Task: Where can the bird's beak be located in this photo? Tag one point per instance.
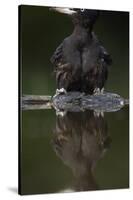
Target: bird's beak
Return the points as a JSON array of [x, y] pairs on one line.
[[67, 11]]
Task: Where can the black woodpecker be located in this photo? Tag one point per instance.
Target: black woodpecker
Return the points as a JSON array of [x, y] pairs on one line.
[[80, 61]]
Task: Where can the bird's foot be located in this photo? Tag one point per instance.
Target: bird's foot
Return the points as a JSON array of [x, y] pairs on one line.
[[98, 113], [96, 91], [61, 113], [60, 91], [102, 90]]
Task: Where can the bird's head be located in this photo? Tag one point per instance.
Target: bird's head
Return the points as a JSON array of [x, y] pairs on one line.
[[83, 17]]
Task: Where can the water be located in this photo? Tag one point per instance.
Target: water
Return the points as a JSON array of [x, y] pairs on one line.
[[78, 151]]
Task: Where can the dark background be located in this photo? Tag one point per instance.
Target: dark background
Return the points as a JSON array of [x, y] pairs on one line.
[[41, 31]]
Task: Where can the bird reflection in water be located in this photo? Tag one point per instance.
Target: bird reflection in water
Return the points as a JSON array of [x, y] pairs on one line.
[[80, 140]]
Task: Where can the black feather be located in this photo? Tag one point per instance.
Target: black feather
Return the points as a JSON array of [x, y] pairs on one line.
[[81, 62]]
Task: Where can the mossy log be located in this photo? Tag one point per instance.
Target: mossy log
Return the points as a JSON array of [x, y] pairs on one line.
[[75, 102]]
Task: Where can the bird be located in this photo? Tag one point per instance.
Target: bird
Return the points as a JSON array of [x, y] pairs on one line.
[[80, 140], [81, 62]]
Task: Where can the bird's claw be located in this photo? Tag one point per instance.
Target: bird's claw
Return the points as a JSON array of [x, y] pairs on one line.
[[61, 113], [60, 91], [102, 90], [98, 113], [97, 91]]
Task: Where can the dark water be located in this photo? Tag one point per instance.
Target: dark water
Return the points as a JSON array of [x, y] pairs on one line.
[[79, 151], [76, 152]]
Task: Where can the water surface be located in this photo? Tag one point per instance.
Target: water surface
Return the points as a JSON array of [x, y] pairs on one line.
[[76, 152]]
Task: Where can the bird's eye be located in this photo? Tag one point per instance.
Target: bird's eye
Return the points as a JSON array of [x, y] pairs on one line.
[[82, 10]]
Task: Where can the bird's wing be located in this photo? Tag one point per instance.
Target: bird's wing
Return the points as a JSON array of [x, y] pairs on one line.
[[67, 62], [57, 57], [105, 56], [60, 62], [104, 60], [67, 57]]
